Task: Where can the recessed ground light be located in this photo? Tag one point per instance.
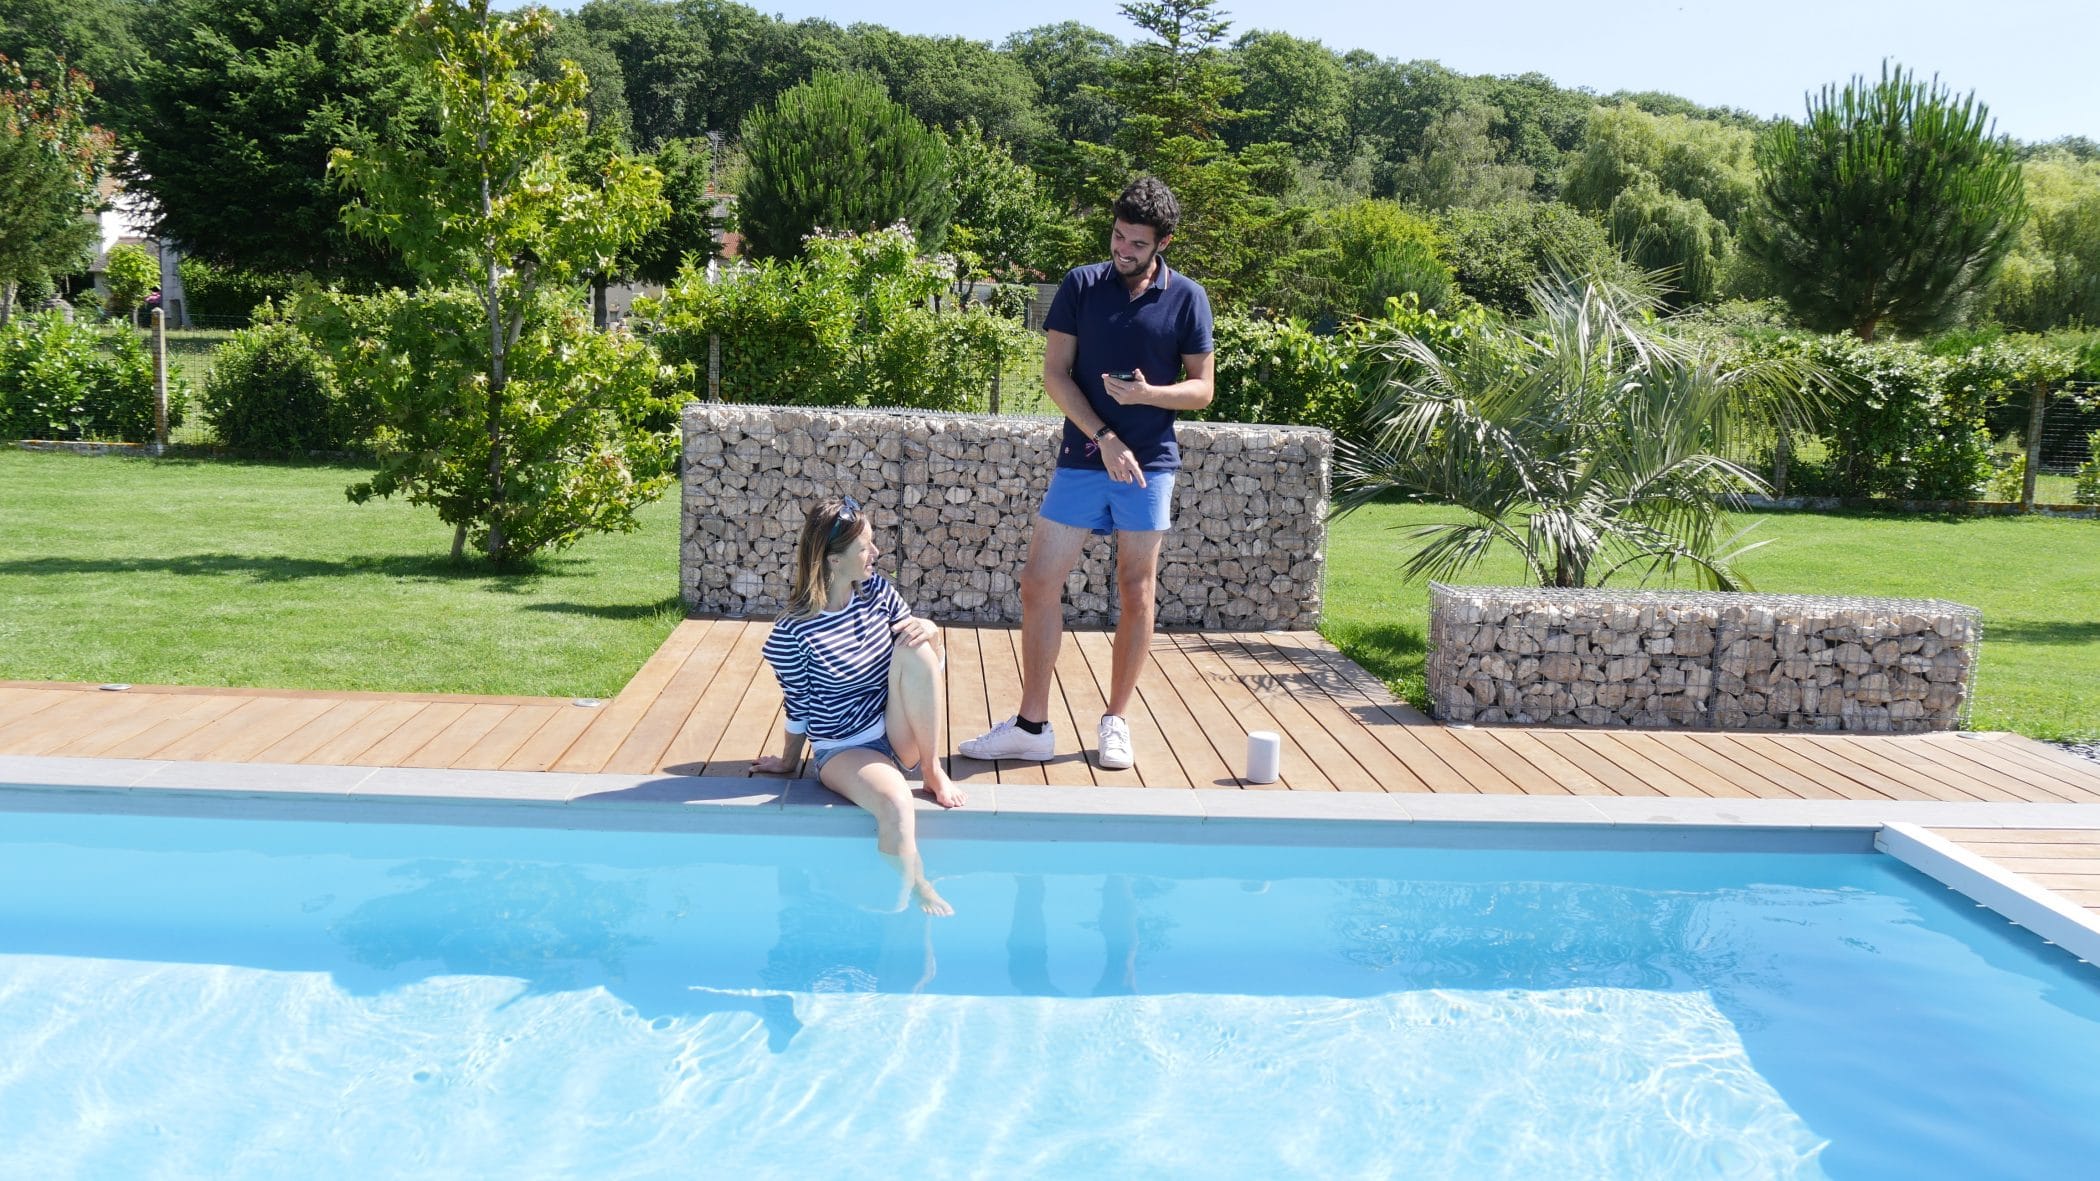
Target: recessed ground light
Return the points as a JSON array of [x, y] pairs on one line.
[[588, 702], [113, 688]]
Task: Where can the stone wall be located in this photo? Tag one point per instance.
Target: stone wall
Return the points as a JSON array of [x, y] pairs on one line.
[[953, 497], [1666, 659]]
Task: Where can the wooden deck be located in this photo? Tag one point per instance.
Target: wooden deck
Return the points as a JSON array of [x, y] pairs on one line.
[[705, 704], [2066, 861]]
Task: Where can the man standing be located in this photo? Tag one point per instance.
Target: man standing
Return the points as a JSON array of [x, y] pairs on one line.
[[1129, 345]]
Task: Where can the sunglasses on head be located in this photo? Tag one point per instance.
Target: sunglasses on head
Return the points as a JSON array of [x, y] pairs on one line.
[[849, 509]]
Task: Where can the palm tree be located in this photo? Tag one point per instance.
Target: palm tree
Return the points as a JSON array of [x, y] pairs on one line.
[[1590, 438]]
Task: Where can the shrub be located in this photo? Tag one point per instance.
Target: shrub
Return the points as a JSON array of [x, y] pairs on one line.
[[131, 274], [225, 293], [271, 389], [849, 324], [75, 381], [1907, 431], [1498, 253], [2087, 488]]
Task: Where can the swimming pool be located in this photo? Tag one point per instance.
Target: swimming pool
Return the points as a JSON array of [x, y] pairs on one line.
[[261, 998]]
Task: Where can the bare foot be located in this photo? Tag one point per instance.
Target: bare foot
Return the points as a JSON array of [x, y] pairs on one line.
[[930, 901], [945, 793]]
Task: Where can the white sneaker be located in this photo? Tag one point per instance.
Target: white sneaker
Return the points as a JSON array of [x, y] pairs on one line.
[[1115, 744], [1008, 741]]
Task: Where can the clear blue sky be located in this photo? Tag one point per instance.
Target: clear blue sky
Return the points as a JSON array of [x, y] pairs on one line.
[[2032, 61]]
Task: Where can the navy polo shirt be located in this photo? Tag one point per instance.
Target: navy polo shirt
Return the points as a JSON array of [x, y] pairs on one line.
[[1169, 319]]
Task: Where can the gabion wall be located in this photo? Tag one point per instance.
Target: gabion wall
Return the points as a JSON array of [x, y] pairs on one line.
[[953, 498], [1664, 659]]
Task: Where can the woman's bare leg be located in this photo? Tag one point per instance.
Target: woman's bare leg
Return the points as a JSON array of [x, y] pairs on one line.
[[914, 716], [876, 785]]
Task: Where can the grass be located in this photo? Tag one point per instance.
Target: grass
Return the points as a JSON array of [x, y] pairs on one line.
[[262, 574], [257, 574], [2036, 580]]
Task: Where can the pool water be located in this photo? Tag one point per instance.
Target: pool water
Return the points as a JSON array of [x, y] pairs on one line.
[[231, 998]]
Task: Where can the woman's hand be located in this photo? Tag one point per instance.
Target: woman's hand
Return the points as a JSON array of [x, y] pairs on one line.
[[915, 631], [774, 765]]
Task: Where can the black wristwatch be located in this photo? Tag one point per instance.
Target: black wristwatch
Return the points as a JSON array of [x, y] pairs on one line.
[[1104, 432]]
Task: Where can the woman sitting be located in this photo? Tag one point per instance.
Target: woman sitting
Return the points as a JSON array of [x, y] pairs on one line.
[[861, 677]]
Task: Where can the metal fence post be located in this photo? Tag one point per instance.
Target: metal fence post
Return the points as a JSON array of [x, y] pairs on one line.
[[714, 368]]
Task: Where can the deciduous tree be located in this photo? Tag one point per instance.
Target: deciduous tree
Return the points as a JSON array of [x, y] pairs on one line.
[[51, 164], [499, 405]]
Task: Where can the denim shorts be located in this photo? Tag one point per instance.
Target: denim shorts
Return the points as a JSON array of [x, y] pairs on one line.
[[880, 744], [1087, 499]]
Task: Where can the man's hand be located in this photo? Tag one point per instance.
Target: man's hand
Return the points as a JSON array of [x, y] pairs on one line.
[[1121, 462], [1135, 392]]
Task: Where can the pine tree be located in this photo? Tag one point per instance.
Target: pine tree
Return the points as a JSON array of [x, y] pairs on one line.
[[1889, 205], [835, 153]]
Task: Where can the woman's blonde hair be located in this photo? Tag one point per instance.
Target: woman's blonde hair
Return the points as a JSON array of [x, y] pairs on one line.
[[829, 528]]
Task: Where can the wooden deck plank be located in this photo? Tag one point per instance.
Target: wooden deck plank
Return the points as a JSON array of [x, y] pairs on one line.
[[1912, 756], [648, 745], [145, 744], [1158, 763], [552, 740], [1313, 717], [246, 732], [137, 717], [2067, 836], [496, 746], [18, 704], [1300, 754], [745, 727], [1503, 749], [612, 721], [2012, 758], [349, 747], [47, 729], [1731, 747], [1563, 766], [1870, 774], [1695, 775], [306, 739], [454, 740], [1178, 729], [2014, 851], [394, 748], [1085, 700], [1063, 771], [1621, 767], [1214, 719], [708, 719], [1393, 724], [968, 712], [1296, 700], [1797, 758], [1000, 650]]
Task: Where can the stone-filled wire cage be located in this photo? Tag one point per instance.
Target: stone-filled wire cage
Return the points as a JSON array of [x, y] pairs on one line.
[[954, 496], [1700, 660]]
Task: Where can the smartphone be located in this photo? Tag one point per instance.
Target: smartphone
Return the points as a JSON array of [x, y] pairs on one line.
[[1123, 374]]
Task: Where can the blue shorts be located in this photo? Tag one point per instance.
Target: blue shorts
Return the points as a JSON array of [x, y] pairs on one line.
[[1087, 499], [880, 744]]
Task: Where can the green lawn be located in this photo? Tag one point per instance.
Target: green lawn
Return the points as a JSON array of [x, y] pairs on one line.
[[225, 573], [2036, 580], [254, 574]]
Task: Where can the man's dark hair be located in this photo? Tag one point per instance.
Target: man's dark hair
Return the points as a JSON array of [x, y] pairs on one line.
[[1149, 202]]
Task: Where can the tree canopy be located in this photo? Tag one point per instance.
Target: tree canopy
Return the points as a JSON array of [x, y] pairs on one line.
[[1889, 204]]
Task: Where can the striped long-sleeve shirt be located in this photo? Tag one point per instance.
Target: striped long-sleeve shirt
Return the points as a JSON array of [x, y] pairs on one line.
[[834, 667]]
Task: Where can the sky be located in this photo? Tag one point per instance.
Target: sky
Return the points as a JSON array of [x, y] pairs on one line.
[[2033, 62]]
